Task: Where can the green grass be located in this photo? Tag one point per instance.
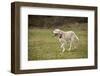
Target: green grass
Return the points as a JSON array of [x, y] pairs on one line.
[[42, 45]]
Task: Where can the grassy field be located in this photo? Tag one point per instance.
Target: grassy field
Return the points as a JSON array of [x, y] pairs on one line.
[[42, 45]]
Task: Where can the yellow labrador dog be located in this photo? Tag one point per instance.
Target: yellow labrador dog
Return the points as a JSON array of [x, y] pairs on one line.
[[66, 37]]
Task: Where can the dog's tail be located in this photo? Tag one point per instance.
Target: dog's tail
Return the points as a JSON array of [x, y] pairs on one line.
[[76, 37]]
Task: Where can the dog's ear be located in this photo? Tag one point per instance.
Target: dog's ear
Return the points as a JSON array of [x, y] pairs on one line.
[[60, 35]]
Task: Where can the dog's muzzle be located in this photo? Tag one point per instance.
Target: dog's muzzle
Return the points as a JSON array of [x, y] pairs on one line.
[[55, 34]]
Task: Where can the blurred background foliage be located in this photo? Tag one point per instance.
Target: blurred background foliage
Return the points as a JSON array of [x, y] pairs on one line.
[[40, 21]]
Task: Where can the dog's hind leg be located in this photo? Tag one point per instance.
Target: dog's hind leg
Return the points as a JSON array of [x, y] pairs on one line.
[[70, 46]]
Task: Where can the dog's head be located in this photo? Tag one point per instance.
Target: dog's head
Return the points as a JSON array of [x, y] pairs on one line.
[[58, 32]]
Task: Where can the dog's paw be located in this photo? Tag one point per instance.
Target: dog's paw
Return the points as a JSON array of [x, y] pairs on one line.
[[63, 50]]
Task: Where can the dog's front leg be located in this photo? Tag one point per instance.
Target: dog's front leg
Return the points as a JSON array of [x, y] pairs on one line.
[[62, 46]]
